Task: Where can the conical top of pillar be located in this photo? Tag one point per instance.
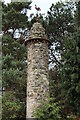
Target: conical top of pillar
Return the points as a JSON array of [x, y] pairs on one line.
[[37, 32]]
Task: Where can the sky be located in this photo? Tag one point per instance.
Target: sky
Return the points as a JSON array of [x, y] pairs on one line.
[[43, 4]]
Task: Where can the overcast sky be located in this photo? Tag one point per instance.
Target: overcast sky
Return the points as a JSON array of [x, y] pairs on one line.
[[43, 4]]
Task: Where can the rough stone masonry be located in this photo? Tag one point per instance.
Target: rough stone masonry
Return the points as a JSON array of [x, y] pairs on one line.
[[37, 75]]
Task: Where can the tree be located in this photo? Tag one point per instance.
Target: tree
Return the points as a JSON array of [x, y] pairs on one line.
[[14, 60], [54, 83], [15, 17], [59, 25], [48, 110], [71, 68]]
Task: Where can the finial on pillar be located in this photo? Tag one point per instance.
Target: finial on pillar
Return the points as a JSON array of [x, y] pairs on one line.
[[37, 9], [37, 18]]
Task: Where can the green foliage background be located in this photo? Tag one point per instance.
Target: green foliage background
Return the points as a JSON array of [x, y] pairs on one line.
[[14, 68], [62, 25]]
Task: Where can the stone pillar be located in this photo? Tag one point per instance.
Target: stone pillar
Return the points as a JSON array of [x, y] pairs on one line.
[[37, 74]]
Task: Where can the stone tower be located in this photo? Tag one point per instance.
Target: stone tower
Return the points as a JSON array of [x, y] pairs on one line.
[[37, 74]]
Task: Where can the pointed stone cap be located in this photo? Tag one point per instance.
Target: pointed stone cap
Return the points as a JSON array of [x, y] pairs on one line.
[[37, 32]]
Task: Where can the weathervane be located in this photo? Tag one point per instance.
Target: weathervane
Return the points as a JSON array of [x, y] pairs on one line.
[[37, 15], [37, 9]]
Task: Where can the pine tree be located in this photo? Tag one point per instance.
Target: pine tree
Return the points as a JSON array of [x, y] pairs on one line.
[[71, 69], [58, 24], [14, 60]]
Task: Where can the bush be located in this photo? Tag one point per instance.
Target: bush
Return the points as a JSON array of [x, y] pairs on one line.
[[48, 110], [12, 107]]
